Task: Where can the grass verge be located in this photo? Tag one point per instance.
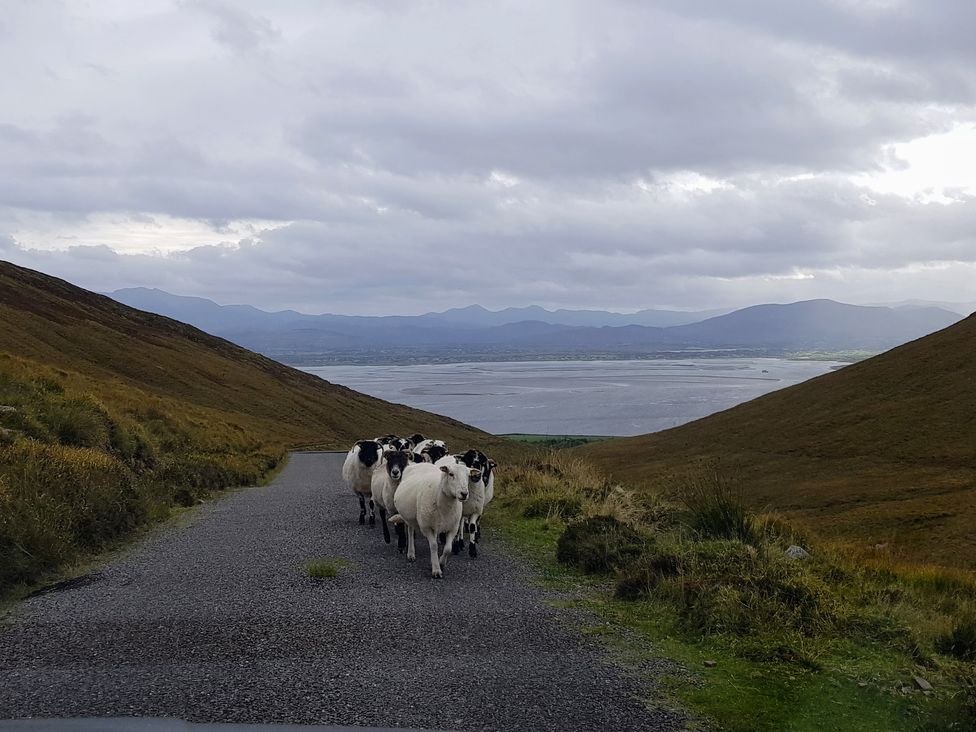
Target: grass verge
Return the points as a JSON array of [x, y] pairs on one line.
[[834, 641]]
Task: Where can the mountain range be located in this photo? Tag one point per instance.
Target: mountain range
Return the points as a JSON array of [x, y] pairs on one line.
[[813, 325]]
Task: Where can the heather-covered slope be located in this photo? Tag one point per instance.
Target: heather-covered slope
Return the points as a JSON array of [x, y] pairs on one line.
[[107, 345], [880, 451]]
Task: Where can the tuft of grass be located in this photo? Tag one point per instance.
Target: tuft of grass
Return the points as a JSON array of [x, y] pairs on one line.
[[960, 641], [324, 568], [715, 505]]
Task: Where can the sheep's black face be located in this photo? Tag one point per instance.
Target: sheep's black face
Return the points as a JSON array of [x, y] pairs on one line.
[[396, 463], [416, 438], [435, 452], [369, 452], [478, 460], [402, 443]]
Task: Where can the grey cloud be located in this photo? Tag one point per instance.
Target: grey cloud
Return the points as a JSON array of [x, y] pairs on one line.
[[234, 27], [371, 133]]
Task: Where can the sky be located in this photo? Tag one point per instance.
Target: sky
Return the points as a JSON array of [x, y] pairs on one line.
[[378, 158]]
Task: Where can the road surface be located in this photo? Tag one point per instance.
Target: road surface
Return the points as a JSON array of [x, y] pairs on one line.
[[215, 620]]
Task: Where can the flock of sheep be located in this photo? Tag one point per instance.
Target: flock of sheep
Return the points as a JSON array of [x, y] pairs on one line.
[[417, 485]]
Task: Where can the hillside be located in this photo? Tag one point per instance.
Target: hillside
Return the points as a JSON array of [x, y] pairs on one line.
[[103, 343], [882, 451]]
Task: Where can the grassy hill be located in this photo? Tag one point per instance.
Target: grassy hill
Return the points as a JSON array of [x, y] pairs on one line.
[[110, 415], [883, 451]]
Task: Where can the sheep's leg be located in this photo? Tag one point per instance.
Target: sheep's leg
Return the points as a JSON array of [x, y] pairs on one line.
[[458, 544], [473, 530], [401, 532], [386, 526], [447, 547], [362, 508], [435, 560], [411, 547], [372, 514]]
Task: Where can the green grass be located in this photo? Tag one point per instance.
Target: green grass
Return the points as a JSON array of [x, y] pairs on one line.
[[324, 568], [828, 643], [555, 442]]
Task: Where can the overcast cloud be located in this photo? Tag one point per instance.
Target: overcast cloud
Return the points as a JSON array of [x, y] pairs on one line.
[[373, 157]]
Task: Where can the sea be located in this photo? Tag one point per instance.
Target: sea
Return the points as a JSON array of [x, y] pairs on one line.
[[577, 397]]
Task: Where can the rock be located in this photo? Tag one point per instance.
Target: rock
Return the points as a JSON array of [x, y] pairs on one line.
[[7, 408], [797, 552], [711, 664], [922, 683]]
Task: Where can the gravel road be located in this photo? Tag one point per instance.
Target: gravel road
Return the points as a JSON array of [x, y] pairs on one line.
[[215, 620]]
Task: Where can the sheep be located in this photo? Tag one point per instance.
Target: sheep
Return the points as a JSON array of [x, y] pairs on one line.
[[386, 478], [357, 471], [429, 500], [431, 450], [395, 443], [479, 496]]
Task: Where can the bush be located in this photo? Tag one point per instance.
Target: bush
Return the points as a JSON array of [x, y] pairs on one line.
[[960, 642], [599, 544]]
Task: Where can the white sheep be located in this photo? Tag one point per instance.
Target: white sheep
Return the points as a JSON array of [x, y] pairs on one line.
[[357, 471], [386, 479], [480, 493], [429, 500]]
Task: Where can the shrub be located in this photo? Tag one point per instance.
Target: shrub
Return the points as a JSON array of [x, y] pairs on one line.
[[598, 544], [960, 642]]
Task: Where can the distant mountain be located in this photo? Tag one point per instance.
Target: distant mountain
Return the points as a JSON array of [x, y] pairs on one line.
[[817, 324], [963, 308], [477, 315], [812, 325]]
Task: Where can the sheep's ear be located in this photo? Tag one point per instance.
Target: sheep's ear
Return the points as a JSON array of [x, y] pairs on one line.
[[444, 469], [474, 474]]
